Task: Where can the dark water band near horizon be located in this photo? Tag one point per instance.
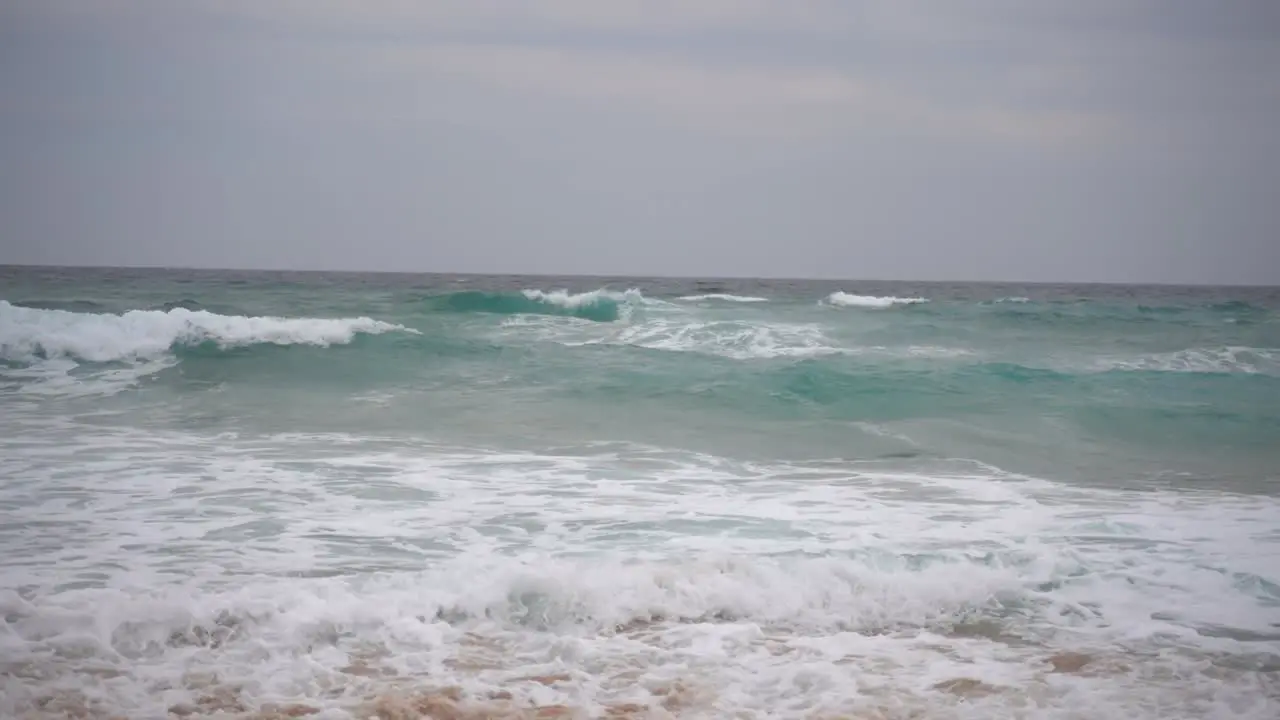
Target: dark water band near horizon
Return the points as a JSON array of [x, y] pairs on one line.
[[345, 495]]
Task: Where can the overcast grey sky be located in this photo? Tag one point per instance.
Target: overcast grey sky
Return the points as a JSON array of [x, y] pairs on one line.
[[1095, 140]]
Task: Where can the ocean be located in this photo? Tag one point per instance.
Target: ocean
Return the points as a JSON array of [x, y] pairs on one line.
[[268, 494]]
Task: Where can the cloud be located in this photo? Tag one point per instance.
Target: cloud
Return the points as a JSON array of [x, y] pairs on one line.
[[733, 98], [793, 68], [989, 70], [595, 15], [989, 136]]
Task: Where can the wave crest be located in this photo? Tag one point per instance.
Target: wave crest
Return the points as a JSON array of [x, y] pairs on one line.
[[724, 297], [597, 305], [30, 334], [843, 299]]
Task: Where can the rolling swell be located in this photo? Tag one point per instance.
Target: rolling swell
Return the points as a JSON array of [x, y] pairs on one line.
[[68, 305], [1151, 408], [745, 355], [1087, 313]]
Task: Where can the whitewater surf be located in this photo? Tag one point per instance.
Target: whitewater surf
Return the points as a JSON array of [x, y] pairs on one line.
[[259, 495]]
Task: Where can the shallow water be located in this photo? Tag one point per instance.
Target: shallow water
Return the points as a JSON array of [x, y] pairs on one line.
[[274, 494]]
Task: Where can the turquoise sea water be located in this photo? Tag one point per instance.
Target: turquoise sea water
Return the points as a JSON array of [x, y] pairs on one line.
[[382, 494]]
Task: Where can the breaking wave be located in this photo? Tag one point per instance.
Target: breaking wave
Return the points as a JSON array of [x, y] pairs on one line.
[[31, 334], [596, 305], [725, 297], [842, 299]]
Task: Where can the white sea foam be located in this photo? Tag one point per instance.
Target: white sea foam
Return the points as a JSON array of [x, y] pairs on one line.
[[742, 340], [1243, 360], [566, 299], [29, 335], [724, 297], [734, 339], [842, 299], [627, 302], [54, 377], [330, 569]]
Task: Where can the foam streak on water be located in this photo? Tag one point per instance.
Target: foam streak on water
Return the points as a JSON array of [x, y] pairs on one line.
[[668, 501]]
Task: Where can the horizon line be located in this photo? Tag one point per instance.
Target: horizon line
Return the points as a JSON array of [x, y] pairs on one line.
[[608, 276]]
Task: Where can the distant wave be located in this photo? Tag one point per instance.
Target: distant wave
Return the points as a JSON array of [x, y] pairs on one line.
[[597, 305], [1208, 360], [72, 305], [842, 299], [724, 297], [31, 334], [737, 340], [185, 304], [1236, 306]]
